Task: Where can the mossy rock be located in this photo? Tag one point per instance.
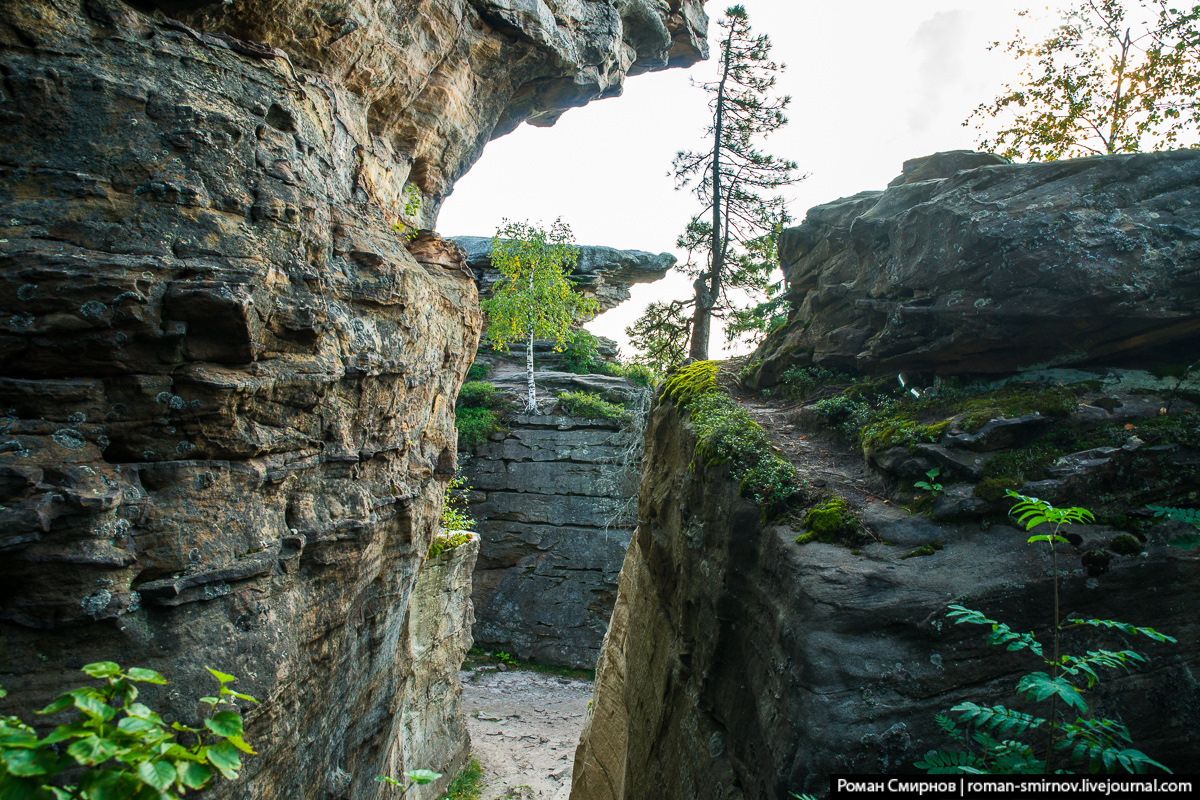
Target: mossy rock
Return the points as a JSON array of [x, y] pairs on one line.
[[690, 382], [828, 523], [926, 550], [1125, 545]]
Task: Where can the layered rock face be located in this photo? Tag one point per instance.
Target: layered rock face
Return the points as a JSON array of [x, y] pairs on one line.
[[603, 273], [227, 386], [555, 515], [969, 265], [741, 665]]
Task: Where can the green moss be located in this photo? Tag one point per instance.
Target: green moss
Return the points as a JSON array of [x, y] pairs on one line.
[[926, 550], [830, 522], [1125, 545], [688, 383], [1084, 387], [993, 489], [805, 538]]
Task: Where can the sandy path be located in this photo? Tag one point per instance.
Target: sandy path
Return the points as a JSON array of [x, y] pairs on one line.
[[524, 727]]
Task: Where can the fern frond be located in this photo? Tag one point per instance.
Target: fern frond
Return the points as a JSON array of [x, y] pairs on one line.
[[1188, 515], [949, 727], [939, 762], [1123, 627], [1031, 512], [999, 719], [1113, 659], [1001, 634], [1039, 686]]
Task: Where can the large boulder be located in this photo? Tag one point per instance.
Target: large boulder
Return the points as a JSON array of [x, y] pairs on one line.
[[968, 264]]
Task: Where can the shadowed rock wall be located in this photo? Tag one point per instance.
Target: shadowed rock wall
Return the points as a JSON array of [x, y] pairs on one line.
[[226, 385], [555, 520], [741, 665]]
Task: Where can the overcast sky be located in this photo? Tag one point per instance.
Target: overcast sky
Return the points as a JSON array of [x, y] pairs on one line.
[[873, 83]]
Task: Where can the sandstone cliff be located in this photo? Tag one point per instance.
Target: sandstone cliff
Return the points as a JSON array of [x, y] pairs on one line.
[[745, 662], [969, 264], [227, 386]]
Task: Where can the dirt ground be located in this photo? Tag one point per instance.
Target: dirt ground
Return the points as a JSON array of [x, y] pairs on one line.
[[524, 727]]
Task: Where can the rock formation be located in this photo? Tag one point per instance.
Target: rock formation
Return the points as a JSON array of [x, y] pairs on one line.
[[227, 385], [554, 508], [969, 264], [744, 664], [604, 273]]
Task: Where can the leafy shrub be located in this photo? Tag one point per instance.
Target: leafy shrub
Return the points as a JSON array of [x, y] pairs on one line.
[[454, 506], [1189, 515], [445, 541], [641, 374], [798, 383], [726, 433], [590, 405], [478, 371], [119, 749], [991, 740], [477, 394], [475, 425], [580, 354], [467, 785]]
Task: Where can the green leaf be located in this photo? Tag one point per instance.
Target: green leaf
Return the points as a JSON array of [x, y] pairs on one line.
[[221, 676], [1039, 686], [143, 712], [24, 763], [225, 723], [102, 669], [58, 705], [90, 702], [422, 776], [145, 676], [159, 774], [192, 775], [240, 744], [93, 750], [224, 756], [13, 788]]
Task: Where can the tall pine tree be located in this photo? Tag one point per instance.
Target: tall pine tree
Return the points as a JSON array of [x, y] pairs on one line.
[[728, 240]]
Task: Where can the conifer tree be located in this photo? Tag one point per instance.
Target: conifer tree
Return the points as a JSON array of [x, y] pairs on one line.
[[735, 182]]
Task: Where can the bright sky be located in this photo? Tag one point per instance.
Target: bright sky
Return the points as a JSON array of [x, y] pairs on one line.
[[873, 83]]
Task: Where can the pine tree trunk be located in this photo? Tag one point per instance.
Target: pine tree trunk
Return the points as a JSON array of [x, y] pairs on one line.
[[531, 403]]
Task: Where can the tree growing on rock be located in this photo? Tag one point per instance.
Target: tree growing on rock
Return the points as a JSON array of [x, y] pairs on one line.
[[1116, 76], [533, 299], [735, 182]]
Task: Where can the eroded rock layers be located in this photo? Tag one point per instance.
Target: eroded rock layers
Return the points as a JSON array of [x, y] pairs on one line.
[[553, 497], [226, 384], [740, 664], [969, 264]]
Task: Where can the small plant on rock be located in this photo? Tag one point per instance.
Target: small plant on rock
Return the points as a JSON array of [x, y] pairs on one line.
[[454, 506], [931, 485], [1001, 740], [417, 777], [116, 748], [1189, 515]]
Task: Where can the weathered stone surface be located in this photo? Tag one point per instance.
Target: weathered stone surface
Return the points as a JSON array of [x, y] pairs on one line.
[[604, 273], [553, 505], [741, 665], [224, 378], [1000, 267]]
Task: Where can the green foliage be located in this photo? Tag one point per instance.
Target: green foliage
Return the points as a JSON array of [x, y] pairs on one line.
[[1111, 78], [116, 748], [454, 509], [417, 777], [590, 405], [661, 334], [478, 371], [467, 785], [924, 550], [1189, 515], [688, 383], [581, 354], [732, 242], [475, 425], [998, 739], [798, 383], [534, 299], [477, 394], [930, 485]]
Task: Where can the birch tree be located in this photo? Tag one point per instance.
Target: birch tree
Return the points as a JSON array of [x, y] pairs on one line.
[[533, 298]]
